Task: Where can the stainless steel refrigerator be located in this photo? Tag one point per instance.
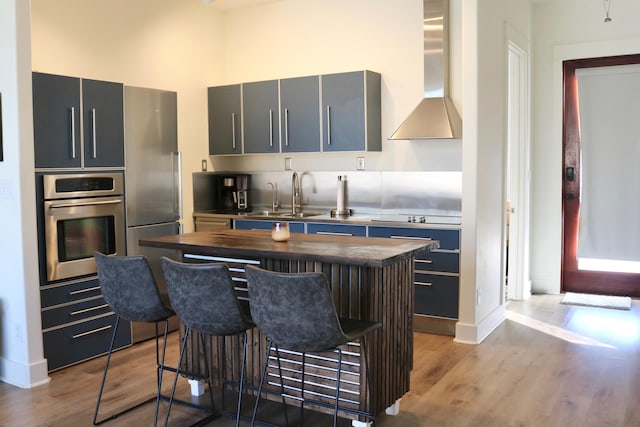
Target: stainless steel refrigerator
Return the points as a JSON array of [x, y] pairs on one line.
[[152, 179]]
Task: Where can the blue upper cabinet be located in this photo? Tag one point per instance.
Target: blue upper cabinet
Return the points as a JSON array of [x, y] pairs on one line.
[[61, 123], [351, 117], [260, 117], [225, 119], [300, 114]]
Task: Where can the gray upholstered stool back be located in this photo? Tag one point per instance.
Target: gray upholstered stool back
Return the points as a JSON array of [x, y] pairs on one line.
[[204, 298], [294, 310], [129, 288]]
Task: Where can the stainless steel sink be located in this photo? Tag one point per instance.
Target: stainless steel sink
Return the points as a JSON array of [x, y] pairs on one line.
[[284, 214], [303, 214], [270, 213]]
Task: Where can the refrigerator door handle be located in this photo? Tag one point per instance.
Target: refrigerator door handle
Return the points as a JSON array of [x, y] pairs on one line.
[[177, 165]]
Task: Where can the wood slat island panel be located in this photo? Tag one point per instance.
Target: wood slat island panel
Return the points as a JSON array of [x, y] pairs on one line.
[[370, 278]]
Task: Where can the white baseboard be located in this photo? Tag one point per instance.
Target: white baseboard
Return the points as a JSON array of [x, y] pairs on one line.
[[24, 375], [475, 333]]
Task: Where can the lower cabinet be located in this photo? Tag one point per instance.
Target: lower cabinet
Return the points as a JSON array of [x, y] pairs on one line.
[[437, 273], [336, 229], [256, 224], [77, 323]]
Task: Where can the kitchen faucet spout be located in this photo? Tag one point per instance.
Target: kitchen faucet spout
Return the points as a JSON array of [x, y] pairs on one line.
[[274, 195], [296, 194]]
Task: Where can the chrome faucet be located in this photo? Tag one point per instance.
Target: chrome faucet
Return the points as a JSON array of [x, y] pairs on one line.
[[274, 195], [296, 194]]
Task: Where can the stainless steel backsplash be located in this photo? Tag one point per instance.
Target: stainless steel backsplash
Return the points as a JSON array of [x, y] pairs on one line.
[[425, 193]]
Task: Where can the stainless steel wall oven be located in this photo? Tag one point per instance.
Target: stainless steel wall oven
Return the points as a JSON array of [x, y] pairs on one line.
[[82, 213]]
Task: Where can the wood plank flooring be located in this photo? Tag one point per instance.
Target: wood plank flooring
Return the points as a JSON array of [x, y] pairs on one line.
[[547, 365]]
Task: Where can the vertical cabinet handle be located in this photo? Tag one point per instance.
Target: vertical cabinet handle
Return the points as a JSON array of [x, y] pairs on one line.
[[233, 130], [93, 133], [270, 128], [73, 132], [328, 125], [286, 127]]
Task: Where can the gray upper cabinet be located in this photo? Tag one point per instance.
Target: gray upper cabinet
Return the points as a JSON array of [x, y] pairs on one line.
[[333, 112], [103, 118], [225, 131], [260, 117], [351, 115], [58, 128], [299, 114]]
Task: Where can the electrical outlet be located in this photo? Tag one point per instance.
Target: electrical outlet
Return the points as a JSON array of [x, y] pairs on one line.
[[204, 165], [288, 164], [360, 164]]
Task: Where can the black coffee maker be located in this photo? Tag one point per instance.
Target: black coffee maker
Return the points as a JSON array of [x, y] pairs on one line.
[[233, 193], [221, 192]]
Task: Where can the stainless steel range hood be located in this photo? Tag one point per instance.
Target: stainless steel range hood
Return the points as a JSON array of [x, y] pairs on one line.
[[435, 117]]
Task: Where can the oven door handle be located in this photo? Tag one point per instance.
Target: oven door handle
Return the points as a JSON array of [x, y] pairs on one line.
[[71, 205]]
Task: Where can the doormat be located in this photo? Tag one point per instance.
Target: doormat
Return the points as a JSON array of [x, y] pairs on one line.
[[605, 301]]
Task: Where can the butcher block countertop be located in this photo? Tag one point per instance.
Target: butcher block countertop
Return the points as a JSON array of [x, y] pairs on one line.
[[360, 251]]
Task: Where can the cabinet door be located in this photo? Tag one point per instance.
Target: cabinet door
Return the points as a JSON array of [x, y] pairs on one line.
[[225, 135], [300, 114], [56, 121], [336, 229], [256, 224], [351, 111], [102, 106], [260, 117]]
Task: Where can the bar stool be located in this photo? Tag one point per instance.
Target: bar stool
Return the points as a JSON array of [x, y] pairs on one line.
[[296, 312], [128, 287], [204, 298]]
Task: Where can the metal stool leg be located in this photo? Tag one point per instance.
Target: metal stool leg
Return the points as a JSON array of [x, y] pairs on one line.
[[368, 376], [262, 375], [302, 389], [243, 367], [284, 403], [187, 331], [335, 410], [104, 375], [160, 366]]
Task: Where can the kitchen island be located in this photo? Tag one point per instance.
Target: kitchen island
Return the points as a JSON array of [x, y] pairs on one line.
[[370, 278]]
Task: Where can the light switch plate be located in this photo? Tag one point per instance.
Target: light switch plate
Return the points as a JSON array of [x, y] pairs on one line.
[[288, 164], [360, 164]]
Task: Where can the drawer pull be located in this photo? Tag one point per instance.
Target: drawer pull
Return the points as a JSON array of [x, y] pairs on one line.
[[81, 291], [412, 237], [86, 310], [423, 283], [95, 331], [424, 261], [332, 233]]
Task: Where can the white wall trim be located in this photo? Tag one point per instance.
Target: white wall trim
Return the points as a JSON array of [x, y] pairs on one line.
[[22, 375], [595, 49], [562, 53], [476, 333]]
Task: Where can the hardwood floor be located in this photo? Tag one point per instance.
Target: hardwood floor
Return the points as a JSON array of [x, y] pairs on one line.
[[547, 365]]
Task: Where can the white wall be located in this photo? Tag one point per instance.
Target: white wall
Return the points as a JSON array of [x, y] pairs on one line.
[[483, 191], [163, 44], [301, 37], [564, 29], [186, 46], [21, 358]]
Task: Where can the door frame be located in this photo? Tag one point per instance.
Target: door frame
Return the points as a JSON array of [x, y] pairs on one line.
[[573, 279], [518, 168]]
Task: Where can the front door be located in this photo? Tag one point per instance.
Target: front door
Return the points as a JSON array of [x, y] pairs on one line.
[[575, 278]]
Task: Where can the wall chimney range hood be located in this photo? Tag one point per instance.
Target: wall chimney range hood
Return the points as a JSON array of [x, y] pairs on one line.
[[435, 117]]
